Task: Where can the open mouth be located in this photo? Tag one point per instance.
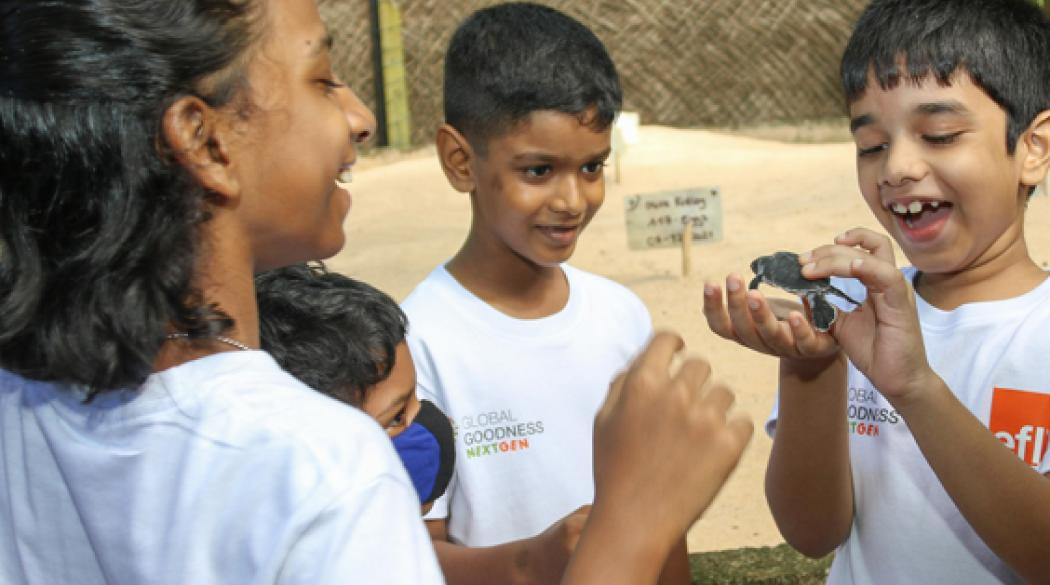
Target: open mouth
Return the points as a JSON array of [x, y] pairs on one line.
[[920, 214], [345, 177], [560, 233]]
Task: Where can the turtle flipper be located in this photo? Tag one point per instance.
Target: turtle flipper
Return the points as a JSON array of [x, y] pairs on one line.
[[821, 311], [839, 293], [754, 282]]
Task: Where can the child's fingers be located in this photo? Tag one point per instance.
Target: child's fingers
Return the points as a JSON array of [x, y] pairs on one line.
[[719, 399], [881, 277], [808, 341], [878, 245], [655, 360], [740, 428], [740, 313], [715, 312], [774, 334], [837, 261], [694, 373]]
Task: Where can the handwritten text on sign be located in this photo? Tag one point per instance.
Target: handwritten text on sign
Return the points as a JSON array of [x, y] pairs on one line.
[[656, 220]]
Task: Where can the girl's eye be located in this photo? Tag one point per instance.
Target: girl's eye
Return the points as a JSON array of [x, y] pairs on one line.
[[593, 167], [330, 85], [940, 139], [537, 171]]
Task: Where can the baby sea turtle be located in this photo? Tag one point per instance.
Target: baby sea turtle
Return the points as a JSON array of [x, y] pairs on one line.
[[783, 271]]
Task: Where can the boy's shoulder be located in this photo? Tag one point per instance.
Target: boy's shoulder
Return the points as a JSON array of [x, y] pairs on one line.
[[602, 289], [433, 295]]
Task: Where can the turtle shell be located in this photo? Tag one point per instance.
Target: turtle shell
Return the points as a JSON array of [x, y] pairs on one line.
[[783, 271]]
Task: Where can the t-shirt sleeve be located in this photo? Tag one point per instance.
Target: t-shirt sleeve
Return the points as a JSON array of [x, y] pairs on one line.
[[771, 422], [371, 535]]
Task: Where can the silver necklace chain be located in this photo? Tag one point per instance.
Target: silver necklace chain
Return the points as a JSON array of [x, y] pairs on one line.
[[219, 338]]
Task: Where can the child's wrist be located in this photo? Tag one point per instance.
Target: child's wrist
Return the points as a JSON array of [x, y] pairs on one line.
[[912, 395], [810, 368], [647, 537]]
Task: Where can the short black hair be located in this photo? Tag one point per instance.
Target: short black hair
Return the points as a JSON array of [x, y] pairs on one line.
[[99, 222], [335, 334], [1004, 46], [510, 60]]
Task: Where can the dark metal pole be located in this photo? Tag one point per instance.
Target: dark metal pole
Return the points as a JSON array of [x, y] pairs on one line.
[[377, 65]]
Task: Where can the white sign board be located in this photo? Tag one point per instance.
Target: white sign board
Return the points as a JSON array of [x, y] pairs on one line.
[[657, 220]]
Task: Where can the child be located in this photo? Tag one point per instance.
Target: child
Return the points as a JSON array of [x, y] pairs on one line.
[[153, 155], [949, 103], [346, 339], [517, 347]]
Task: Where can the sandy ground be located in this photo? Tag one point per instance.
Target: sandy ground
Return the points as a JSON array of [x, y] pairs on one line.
[[776, 196]]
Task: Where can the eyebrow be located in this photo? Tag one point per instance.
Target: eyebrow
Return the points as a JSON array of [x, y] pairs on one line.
[[325, 43], [948, 107], [550, 158], [859, 122]]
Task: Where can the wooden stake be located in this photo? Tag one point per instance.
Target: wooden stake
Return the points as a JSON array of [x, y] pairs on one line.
[[687, 248]]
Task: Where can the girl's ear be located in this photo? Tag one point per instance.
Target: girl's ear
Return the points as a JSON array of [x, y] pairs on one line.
[[1036, 142], [199, 138], [456, 155]]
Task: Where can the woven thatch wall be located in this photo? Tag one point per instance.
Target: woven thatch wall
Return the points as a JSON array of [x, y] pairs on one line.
[[683, 62]]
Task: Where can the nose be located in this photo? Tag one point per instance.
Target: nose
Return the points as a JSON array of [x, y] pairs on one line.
[[570, 198], [362, 120], [903, 164]]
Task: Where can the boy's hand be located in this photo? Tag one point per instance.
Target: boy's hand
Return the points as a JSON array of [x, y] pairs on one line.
[[548, 553], [663, 443], [774, 326], [882, 337]]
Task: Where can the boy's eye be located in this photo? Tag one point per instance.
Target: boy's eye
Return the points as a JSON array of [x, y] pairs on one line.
[[941, 138], [870, 150], [398, 420], [537, 171], [592, 168]]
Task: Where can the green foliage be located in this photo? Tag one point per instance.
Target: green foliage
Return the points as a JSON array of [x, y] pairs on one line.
[[779, 565]]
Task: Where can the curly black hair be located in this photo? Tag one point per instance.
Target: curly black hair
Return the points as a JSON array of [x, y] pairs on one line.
[[335, 334], [98, 222]]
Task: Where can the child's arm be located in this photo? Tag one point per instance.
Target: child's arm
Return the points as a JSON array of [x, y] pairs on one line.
[[1004, 500], [808, 482], [537, 560], [676, 568], [644, 504]]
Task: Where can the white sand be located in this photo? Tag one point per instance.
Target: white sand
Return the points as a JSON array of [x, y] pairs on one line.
[[406, 220]]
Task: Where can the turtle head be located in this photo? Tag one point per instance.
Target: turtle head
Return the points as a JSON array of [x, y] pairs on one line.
[[758, 265]]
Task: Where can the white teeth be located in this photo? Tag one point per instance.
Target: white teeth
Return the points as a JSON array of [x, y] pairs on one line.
[[914, 207], [900, 208], [346, 176], [935, 204]]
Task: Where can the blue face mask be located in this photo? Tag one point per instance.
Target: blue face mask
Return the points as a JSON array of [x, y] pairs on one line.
[[427, 448]]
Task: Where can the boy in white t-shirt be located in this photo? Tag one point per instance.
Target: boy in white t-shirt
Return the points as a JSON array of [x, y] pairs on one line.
[[516, 346], [913, 436]]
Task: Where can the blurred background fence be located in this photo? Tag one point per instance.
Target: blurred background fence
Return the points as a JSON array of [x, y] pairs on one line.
[[689, 63]]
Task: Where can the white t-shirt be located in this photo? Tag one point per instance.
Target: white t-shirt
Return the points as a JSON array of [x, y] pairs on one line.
[[523, 395], [221, 470], [906, 529]]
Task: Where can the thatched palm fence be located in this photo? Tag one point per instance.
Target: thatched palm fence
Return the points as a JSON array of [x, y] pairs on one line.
[[683, 62]]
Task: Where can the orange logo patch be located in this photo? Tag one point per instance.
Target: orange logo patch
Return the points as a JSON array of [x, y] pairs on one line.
[[1021, 422]]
